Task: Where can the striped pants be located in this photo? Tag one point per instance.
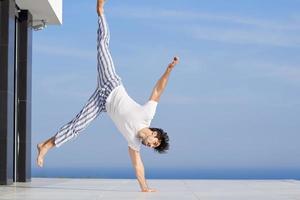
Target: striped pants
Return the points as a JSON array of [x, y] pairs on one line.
[[107, 80]]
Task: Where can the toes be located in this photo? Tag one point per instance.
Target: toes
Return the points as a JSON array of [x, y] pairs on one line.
[[40, 162]]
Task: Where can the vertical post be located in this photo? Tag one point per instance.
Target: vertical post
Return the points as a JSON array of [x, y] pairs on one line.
[[24, 68], [7, 62]]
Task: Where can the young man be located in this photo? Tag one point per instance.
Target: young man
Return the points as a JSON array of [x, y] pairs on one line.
[[132, 120]]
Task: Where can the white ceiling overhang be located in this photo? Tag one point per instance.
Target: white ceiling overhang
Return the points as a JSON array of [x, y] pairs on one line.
[[48, 10]]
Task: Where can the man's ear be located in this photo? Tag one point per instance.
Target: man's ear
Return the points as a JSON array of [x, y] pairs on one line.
[[154, 133]]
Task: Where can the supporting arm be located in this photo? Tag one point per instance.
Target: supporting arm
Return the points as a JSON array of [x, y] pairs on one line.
[[139, 170]]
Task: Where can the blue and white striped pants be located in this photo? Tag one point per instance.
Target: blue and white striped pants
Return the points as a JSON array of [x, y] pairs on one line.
[[107, 80]]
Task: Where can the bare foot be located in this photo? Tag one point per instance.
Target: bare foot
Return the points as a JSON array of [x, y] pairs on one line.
[[41, 153], [43, 148]]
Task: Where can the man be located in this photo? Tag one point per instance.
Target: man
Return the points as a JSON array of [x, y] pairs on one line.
[[132, 120]]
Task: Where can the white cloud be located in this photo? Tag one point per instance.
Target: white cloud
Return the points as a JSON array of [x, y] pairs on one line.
[[63, 51], [290, 23], [75, 85], [289, 73], [238, 30], [248, 36], [228, 95], [179, 99], [257, 68]]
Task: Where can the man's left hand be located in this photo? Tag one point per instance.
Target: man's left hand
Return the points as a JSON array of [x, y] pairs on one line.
[[149, 190], [174, 62]]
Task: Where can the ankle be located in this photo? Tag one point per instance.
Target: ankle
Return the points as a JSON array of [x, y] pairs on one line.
[[48, 144], [100, 11]]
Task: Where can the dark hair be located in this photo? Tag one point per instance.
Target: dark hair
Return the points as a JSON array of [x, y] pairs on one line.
[[163, 138]]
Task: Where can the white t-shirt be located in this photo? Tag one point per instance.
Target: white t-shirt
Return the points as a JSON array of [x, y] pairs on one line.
[[128, 115]]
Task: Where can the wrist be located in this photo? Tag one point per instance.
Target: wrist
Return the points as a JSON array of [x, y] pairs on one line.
[[169, 69], [143, 184], [144, 189]]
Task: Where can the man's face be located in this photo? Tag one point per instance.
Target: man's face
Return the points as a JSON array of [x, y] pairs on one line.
[[151, 140]]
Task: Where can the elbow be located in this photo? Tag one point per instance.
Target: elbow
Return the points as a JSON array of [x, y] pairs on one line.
[[156, 92]]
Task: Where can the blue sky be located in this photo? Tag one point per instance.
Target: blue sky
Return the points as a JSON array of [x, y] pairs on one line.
[[232, 103]]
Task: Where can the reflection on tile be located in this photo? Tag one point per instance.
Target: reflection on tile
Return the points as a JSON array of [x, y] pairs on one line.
[[66, 188]]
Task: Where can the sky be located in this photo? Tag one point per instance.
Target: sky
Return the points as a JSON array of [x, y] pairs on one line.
[[231, 107]]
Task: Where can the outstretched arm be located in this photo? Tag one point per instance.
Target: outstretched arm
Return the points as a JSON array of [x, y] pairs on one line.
[[162, 82], [139, 170]]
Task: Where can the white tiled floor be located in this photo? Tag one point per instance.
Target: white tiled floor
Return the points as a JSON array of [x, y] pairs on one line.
[[92, 189]]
